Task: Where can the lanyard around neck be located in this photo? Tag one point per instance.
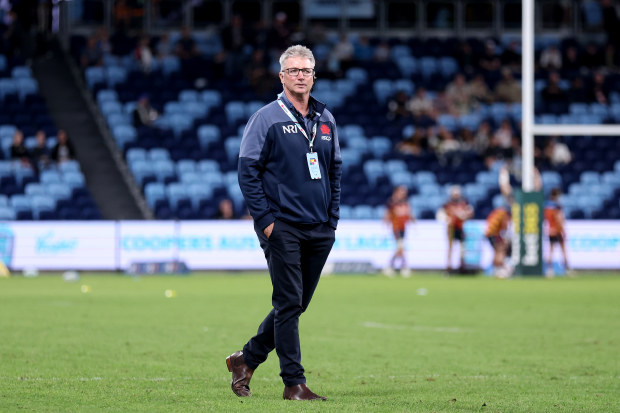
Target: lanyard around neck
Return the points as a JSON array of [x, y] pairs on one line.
[[302, 129]]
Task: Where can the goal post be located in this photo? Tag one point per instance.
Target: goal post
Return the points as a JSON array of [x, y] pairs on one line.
[[527, 210]]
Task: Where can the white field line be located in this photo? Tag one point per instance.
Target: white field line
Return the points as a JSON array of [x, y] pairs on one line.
[[371, 324]]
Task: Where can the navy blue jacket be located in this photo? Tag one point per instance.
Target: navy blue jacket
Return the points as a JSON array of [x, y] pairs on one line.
[[273, 169]]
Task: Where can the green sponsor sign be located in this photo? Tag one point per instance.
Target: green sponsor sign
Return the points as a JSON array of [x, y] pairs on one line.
[[527, 219]]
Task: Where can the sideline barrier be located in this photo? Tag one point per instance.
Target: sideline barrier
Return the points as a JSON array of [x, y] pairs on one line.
[[232, 245]]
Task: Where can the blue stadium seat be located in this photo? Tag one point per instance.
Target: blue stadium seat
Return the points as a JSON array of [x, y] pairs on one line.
[[185, 165], [35, 188], [358, 75], [363, 212], [373, 169], [176, 192], [171, 108], [208, 165], [26, 86], [159, 154], [189, 95], [7, 213], [232, 146], [42, 203], [136, 154], [349, 130], [402, 178], [360, 143], [407, 65], [153, 192], [346, 212], [170, 64], [123, 134], [211, 98], [106, 95], [49, 177], [8, 86], [208, 134], [235, 111], [74, 179], [380, 145], [196, 110], [395, 165], [383, 89], [20, 202], [115, 75], [163, 169], [198, 192], [59, 191]]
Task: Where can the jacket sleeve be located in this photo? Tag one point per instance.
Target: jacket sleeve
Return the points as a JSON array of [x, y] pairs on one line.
[[335, 173], [251, 168]]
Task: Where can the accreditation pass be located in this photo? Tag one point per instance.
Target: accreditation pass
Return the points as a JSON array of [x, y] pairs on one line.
[[313, 165]]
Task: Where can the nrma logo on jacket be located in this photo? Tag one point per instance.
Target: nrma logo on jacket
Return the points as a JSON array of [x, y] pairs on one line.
[[290, 128]]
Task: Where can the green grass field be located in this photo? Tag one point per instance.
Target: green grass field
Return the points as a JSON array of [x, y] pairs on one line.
[[369, 344]]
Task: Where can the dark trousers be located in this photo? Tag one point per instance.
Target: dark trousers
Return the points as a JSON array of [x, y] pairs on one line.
[[295, 256]]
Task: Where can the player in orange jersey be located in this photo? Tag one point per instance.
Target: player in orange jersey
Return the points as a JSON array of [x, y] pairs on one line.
[[398, 214], [455, 212], [554, 216], [496, 232]]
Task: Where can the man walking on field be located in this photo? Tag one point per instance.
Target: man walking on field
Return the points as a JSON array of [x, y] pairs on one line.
[[289, 173]]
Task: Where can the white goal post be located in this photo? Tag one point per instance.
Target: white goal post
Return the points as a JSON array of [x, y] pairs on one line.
[[529, 128]]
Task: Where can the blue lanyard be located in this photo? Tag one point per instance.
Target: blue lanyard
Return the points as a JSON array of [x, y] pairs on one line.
[[302, 129]]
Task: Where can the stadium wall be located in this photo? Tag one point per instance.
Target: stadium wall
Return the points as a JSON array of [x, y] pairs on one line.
[[232, 245]]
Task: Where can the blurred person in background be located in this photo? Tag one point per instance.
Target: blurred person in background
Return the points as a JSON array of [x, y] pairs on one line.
[[289, 174], [144, 114], [41, 153], [225, 210], [554, 217], [496, 232], [455, 212], [398, 215], [18, 149], [507, 90], [63, 150], [557, 152]]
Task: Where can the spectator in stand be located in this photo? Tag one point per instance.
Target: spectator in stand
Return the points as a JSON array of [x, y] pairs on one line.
[[398, 107], [459, 94], [511, 56], [571, 63], [611, 24], [414, 144], [382, 52], [63, 150], [508, 90], [164, 46], [553, 96], [489, 61], [18, 149], [258, 74], [442, 105], [341, 55], [363, 51], [445, 144], [577, 91], [557, 152], [479, 91], [41, 153], [482, 138], [144, 114], [103, 40], [280, 34], [592, 58], [551, 58], [600, 91], [225, 210], [92, 54], [465, 57], [143, 53], [235, 37], [502, 139], [186, 48], [421, 106]]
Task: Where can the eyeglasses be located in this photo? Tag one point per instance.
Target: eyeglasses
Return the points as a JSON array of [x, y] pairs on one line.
[[294, 71]]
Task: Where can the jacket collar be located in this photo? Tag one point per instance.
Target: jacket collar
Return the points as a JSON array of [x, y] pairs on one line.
[[314, 105]]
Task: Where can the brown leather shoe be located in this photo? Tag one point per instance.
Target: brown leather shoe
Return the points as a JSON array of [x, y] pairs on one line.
[[241, 374], [300, 392]]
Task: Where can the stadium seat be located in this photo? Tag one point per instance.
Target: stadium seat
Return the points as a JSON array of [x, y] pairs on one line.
[[7, 213]]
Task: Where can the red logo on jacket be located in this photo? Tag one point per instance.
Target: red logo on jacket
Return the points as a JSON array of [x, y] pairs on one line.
[[325, 129]]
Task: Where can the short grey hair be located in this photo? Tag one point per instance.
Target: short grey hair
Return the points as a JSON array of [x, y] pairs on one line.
[[296, 51]]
